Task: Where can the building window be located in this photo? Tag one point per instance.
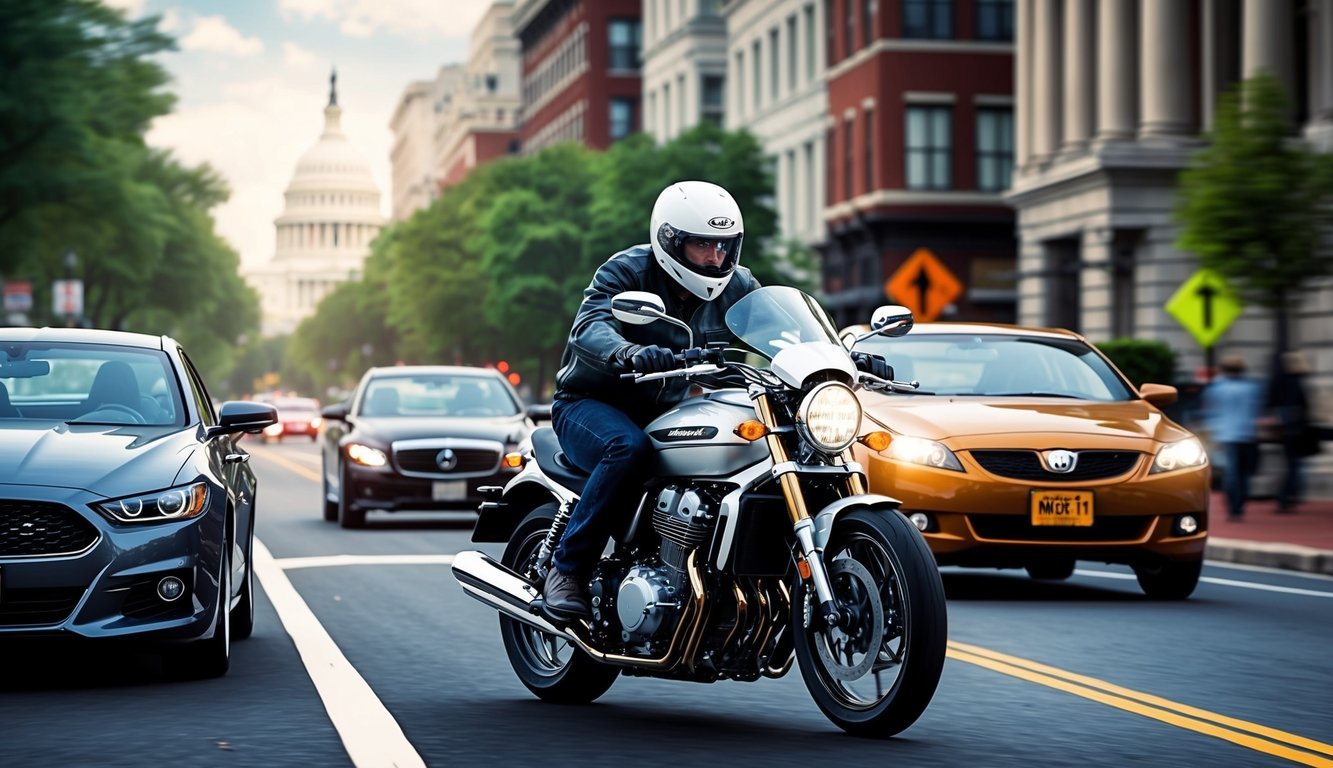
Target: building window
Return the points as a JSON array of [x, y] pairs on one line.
[[775, 75], [995, 149], [831, 35], [870, 150], [622, 118], [626, 43], [928, 19], [809, 43], [711, 98], [792, 47], [849, 18], [847, 158], [740, 82], [929, 142], [867, 21], [758, 74], [995, 20]]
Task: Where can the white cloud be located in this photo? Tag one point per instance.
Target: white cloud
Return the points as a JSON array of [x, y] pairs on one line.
[[132, 8], [213, 33], [296, 57], [171, 20], [410, 18]]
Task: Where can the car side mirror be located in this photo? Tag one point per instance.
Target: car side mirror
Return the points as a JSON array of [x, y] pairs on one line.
[[337, 411], [637, 307], [891, 320], [539, 411], [1160, 395], [243, 416]]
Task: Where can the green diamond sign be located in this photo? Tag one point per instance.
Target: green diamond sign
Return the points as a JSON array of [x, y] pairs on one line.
[[1206, 306]]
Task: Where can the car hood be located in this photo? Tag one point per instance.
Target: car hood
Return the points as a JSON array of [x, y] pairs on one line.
[[944, 418], [509, 429], [109, 461]]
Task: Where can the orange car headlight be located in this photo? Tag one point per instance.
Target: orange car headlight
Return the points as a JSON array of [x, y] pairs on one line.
[[918, 450], [1182, 454]]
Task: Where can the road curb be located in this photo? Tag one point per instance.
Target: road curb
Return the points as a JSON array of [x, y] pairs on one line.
[[1291, 557]]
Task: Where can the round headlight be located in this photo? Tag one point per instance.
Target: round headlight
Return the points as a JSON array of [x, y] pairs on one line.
[[829, 417]]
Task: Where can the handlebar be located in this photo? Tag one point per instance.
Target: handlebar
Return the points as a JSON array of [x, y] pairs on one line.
[[688, 360]]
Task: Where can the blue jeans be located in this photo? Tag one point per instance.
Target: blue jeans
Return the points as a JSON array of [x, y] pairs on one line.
[[601, 440], [1242, 461]]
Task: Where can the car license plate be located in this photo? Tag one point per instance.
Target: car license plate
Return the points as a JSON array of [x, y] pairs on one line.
[[1062, 508], [448, 490]]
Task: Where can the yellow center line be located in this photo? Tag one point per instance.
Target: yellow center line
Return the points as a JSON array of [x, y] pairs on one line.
[[285, 463], [1237, 731]]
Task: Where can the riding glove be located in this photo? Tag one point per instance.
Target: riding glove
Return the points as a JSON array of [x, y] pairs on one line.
[[875, 365], [653, 359]]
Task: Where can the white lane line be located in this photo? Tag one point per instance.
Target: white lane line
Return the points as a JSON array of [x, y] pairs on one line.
[[1266, 569], [369, 733], [321, 561], [1222, 582]]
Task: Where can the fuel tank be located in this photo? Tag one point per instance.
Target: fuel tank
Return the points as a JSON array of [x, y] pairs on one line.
[[698, 439]]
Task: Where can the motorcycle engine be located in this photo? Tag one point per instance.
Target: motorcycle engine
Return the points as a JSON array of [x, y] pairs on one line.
[[649, 597]]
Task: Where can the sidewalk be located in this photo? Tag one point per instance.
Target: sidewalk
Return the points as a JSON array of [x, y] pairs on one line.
[[1300, 542]]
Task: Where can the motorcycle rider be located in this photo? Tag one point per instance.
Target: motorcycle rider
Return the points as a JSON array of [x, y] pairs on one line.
[[693, 263]]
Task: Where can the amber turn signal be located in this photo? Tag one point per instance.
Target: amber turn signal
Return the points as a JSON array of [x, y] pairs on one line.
[[751, 430], [876, 441], [513, 460]]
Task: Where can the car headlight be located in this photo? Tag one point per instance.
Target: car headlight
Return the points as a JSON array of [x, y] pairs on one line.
[[366, 456], [1181, 454], [180, 503], [918, 450], [829, 417], [315, 422], [273, 429]]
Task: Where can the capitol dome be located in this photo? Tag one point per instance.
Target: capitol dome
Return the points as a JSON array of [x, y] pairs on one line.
[[331, 214]]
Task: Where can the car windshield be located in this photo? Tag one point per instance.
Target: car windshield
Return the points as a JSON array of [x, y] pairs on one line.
[[452, 395], [775, 317], [88, 383], [997, 365]]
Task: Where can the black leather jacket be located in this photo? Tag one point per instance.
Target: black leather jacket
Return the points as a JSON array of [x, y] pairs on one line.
[[600, 346]]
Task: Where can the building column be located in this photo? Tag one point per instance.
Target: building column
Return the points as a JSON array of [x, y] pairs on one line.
[[1117, 70], [1268, 41], [1079, 63], [1319, 131], [1096, 254], [1165, 75], [1046, 79], [1022, 84]]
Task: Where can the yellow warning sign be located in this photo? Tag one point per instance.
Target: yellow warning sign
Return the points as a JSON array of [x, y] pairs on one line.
[[1206, 306], [923, 285]]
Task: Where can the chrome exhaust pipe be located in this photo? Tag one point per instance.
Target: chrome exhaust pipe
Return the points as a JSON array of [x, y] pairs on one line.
[[500, 588]]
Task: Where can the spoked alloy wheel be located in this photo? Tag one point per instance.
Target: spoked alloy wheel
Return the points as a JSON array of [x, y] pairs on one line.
[[875, 671], [548, 665]]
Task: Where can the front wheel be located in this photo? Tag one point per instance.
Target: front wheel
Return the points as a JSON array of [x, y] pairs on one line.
[[1170, 579], [550, 667], [874, 672]]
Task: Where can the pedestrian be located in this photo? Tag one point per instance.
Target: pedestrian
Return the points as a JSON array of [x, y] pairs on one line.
[[1290, 413], [692, 263], [1232, 406]]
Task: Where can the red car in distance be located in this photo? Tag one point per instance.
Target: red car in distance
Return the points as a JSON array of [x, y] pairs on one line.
[[296, 416]]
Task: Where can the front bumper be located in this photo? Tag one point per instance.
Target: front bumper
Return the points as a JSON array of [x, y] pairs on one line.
[[979, 519], [104, 584], [390, 491]]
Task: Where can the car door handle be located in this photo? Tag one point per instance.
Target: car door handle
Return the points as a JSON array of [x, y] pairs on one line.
[[237, 458]]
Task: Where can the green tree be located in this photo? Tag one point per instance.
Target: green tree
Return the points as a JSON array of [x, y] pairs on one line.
[[1255, 202]]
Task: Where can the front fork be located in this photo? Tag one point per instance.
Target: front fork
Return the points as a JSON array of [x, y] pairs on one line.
[[811, 566]]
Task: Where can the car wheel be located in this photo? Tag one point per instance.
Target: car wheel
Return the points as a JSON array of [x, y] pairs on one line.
[[243, 615], [1051, 570], [349, 515], [1170, 579], [330, 507], [210, 657]]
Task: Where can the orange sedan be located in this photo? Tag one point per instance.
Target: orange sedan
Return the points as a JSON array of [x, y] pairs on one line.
[[1026, 448]]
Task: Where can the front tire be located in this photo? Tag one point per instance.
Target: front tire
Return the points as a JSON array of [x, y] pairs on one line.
[[203, 659], [1170, 579], [243, 615], [875, 671], [349, 515], [330, 507], [551, 667]]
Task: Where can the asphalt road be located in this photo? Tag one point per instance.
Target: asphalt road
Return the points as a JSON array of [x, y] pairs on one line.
[[377, 658]]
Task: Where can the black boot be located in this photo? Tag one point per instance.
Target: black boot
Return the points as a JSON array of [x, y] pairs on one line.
[[563, 598]]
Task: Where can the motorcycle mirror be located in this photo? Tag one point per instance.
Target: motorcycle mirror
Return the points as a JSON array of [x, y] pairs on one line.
[[638, 307], [891, 320]]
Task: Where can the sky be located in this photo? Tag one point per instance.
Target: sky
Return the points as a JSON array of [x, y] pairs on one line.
[[251, 78]]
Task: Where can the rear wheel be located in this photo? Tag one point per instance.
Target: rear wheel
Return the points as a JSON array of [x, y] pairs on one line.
[[552, 668], [874, 672], [349, 515], [1170, 579]]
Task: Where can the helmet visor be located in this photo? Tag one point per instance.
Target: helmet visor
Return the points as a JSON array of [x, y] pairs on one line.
[[706, 255]]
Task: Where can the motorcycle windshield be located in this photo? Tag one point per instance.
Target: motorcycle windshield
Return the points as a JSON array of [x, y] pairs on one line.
[[775, 317]]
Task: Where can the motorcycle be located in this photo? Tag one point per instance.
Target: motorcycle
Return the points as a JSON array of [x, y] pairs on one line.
[[754, 546]]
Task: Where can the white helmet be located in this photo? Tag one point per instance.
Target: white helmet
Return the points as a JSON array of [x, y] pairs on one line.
[[696, 209]]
